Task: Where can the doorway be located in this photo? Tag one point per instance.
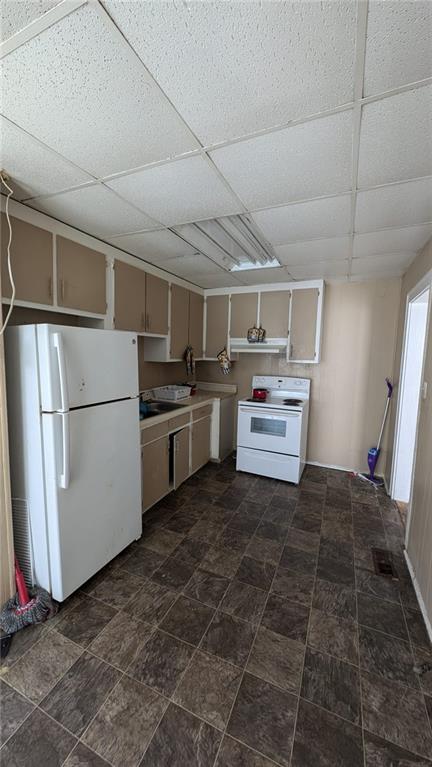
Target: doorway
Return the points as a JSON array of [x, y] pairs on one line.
[[410, 391]]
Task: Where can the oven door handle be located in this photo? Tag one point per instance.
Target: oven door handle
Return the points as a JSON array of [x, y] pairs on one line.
[[261, 413]]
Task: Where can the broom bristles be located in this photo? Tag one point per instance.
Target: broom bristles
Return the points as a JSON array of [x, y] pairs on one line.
[[14, 617]]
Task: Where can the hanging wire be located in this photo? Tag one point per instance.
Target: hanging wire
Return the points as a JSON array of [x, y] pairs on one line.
[[11, 305]]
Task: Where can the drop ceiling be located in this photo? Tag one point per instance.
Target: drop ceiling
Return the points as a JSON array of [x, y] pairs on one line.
[[133, 120]]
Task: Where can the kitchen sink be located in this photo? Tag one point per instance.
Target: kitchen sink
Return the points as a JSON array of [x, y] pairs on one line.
[[157, 407]]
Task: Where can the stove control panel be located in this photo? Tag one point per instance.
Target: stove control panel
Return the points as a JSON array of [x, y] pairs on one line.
[[281, 382]]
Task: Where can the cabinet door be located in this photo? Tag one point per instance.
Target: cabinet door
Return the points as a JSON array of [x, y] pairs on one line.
[[129, 297], [196, 316], [157, 292], [274, 313], [216, 324], [200, 443], [154, 471], [31, 261], [81, 277], [243, 313], [179, 321], [181, 456], [304, 312]]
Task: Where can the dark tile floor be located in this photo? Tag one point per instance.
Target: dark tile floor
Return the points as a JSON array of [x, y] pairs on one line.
[[247, 628]]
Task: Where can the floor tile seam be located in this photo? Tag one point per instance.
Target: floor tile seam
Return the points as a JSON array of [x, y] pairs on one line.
[[334, 657], [386, 633], [413, 646], [367, 731], [37, 703], [358, 725], [33, 708], [248, 659]]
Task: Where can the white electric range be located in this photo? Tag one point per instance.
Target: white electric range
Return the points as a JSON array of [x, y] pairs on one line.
[[272, 433]]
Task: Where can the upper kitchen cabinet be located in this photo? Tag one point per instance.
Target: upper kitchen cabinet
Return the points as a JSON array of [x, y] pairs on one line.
[[129, 297], [274, 313], [244, 313], [179, 321], [216, 337], [196, 316], [81, 277], [31, 260], [156, 305], [305, 327]]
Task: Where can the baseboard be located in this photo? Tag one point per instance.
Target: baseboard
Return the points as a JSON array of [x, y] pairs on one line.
[[342, 468], [419, 595]]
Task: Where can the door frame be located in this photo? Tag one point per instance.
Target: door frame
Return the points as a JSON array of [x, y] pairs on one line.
[[424, 284]]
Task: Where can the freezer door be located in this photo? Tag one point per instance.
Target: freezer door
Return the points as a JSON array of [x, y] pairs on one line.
[[93, 490], [83, 366]]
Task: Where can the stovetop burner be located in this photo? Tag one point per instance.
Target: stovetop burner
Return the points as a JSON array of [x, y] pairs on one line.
[[292, 402]]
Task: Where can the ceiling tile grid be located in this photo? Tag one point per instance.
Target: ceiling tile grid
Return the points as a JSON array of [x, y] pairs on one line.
[[404, 27], [35, 170], [396, 205], [306, 220], [254, 65], [185, 113], [306, 160], [94, 209], [94, 102], [178, 192]]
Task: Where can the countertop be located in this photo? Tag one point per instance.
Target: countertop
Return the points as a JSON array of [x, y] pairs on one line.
[[202, 397]]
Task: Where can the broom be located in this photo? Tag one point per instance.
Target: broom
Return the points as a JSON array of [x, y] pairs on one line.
[[25, 608]]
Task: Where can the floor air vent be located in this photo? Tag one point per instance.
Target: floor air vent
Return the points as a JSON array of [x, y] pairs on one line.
[[383, 563]]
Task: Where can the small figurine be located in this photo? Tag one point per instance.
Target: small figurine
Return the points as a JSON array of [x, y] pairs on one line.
[[224, 361]]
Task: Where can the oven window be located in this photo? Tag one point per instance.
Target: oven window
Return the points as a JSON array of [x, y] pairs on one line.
[[268, 426]]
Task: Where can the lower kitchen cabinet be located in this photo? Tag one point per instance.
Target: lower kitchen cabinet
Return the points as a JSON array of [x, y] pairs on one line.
[[200, 443], [155, 471], [181, 441]]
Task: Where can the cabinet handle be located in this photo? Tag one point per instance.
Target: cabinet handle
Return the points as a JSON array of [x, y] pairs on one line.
[[62, 289], [148, 323], [142, 321], [50, 287], [291, 351]]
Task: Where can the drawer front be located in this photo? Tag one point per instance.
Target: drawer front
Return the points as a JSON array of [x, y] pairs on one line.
[[180, 420], [201, 412], [154, 432]]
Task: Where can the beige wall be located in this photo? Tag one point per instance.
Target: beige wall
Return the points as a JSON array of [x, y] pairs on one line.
[[153, 374], [419, 544], [347, 390]]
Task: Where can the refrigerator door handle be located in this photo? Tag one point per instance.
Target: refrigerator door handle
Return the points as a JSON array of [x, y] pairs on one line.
[[64, 395], [65, 473]]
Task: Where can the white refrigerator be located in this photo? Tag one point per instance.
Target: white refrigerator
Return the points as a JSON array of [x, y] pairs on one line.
[[73, 412]]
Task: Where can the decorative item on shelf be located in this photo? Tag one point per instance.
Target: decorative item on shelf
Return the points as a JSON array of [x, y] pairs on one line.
[[224, 361], [190, 361], [253, 335], [256, 335]]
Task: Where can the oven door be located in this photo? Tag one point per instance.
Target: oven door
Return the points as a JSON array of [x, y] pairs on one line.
[[278, 431]]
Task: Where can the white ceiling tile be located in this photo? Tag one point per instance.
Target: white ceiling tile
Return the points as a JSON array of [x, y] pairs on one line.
[[395, 205], [222, 280], [305, 220], [396, 138], [263, 276], [33, 168], [189, 266], [398, 46], [254, 65], [17, 14], [94, 209], [385, 265], [94, 102], [154, 246], [320, 269], [307, 160], [178, 192], [407, 240], [300, 253]]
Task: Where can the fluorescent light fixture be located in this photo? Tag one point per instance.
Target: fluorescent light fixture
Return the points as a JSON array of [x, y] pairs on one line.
[[232, 242], [251, 265]]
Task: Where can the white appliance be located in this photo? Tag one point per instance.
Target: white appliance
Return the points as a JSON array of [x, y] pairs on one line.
[[74, 450], [272, 433]]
